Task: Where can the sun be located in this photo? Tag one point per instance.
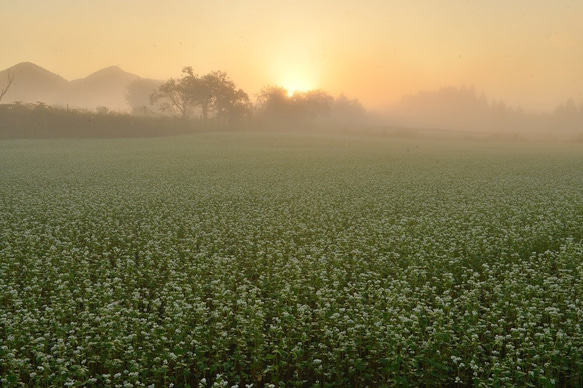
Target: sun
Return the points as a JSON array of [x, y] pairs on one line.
[[296, 82], [294, 71], [295, 74], [296, 86]]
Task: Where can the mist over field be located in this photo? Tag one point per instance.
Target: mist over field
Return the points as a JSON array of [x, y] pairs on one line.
[[487, 69], [214, 100], [303, 193]]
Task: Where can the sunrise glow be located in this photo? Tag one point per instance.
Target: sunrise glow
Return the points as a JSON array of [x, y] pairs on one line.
[[526, 53], [294, 86]]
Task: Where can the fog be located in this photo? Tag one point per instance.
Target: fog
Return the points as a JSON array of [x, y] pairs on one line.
[[446, 111], [471, 67], [468, 110]]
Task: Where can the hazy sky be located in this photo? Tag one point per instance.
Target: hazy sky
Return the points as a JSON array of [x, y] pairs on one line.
[[528, 52]]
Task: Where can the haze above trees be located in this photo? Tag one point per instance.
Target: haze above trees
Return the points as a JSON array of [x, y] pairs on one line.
[[214, 99], [465, 109]]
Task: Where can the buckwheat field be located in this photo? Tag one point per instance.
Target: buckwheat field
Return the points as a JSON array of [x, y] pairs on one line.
[[280, 260]]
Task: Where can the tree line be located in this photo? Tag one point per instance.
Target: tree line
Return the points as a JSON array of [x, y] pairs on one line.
[[214, 99], [38, 120], [214, 93], [189, 103], [199, 102]]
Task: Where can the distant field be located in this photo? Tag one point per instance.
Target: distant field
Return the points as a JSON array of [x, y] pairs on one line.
[[233, 259]]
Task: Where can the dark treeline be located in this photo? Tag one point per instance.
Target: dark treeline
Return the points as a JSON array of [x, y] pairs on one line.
[[214, 100], [275, 107], [38, 120], [181, 105]]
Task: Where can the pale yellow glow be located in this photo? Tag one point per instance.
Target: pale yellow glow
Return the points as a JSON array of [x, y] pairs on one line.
[[295, 84], [294, 64], [527, 52]]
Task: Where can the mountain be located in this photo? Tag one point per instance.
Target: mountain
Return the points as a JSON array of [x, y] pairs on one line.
[[106, 87], [32, 83]]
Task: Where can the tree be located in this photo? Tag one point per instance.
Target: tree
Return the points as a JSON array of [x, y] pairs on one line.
[[10, 80], [274, 103], [236, 106], [312, 104], [345, 109], [228, 102], [213, 92], [568, 116], [567, 110], [175, 95], [201, 93]]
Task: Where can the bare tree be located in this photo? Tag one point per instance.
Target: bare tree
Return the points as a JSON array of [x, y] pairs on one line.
[[10, 80]]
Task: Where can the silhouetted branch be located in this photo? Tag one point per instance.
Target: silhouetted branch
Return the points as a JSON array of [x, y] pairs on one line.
[[10, 79]]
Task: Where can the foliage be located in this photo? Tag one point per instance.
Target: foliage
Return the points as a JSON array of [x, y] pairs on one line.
[[212, 92], [348, 110], [274, 104], [175, 95], [286, 260], [42, 121], [229, 103]]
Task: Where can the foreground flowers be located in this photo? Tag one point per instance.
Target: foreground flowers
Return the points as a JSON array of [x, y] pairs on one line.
[[225, 259]]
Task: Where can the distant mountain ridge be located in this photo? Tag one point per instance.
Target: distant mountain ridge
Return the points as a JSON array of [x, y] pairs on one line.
[[32, 83]]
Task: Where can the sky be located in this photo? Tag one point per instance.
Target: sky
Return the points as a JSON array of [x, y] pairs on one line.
[[528, 53]]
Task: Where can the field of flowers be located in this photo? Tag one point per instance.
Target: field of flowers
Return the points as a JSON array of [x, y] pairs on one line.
[[253, 260]]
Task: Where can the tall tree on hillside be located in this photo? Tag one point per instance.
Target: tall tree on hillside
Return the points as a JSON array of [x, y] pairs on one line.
[[10, 80]]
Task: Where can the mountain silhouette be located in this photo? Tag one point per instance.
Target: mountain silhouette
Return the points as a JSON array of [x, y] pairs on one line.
[[32, 83], [106, 87]]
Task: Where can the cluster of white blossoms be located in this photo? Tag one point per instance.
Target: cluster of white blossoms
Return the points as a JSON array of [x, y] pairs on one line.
[[242, 260]]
